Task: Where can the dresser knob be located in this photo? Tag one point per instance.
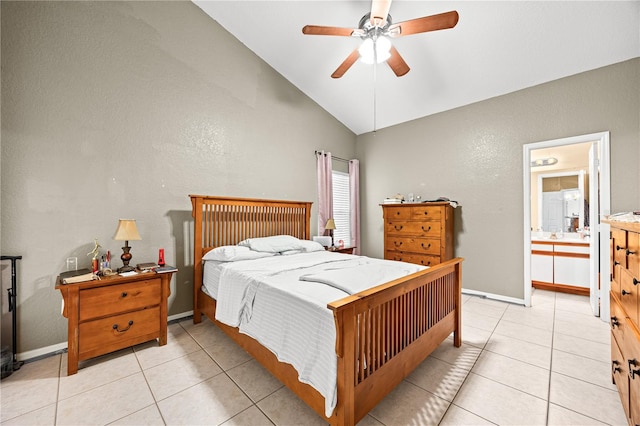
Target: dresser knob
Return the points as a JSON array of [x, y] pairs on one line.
[[616, 263], [615, 367], [629, 252], [625, 292], [632, 372], [124, 294], [614, 322], [635, 281], [618, 248], [116, 327]]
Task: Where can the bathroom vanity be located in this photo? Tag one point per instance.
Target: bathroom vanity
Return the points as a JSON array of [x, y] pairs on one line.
[[560, 264]]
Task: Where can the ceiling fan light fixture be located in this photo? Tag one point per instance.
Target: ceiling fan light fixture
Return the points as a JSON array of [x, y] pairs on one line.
[[382, 47]]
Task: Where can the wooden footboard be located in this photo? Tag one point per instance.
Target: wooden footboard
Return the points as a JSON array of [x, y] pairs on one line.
[[382, 334]]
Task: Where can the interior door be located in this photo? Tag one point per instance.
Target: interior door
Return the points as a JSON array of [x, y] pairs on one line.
[[594, 227]]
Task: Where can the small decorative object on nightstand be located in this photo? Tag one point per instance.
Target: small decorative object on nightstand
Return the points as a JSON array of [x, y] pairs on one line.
[[127, 231], [345, 250]]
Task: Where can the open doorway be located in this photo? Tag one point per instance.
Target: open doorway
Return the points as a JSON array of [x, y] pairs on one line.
[[592, 189]]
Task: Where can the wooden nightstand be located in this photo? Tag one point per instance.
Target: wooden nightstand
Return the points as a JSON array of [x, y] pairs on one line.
[[345, 250], [114, 313]]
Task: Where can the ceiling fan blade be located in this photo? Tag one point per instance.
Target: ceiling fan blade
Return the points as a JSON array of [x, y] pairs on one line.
[[332, 31], [425, 24], [379, 12], [397, 64], [346, 64]]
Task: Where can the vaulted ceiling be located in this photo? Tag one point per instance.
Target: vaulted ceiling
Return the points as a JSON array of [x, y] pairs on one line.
[[496, 48]]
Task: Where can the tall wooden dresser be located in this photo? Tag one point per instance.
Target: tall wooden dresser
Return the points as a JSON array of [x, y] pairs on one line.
[[625, 315], [418, 233]]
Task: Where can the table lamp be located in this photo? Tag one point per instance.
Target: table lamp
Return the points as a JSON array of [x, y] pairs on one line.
[[126, 231], [330, 226]]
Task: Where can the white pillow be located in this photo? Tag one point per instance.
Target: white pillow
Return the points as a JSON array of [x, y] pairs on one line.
[[274, 244], [309, 246], [233, 253]]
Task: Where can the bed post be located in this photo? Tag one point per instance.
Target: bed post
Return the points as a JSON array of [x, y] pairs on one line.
[[457, 333], [196, 204], [345, 319]]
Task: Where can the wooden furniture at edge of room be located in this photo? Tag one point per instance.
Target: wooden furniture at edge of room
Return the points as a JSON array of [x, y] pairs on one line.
[[344, 250], [625, 315], [369, 366], [419, 233], [113, 313]]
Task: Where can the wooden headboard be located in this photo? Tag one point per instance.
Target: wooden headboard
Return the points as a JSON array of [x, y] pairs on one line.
[[220, 221]]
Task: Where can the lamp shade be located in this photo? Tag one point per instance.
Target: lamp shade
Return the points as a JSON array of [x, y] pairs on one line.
[[127, 230], [330, 224]]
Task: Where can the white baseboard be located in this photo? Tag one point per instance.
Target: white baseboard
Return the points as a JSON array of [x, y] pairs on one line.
[[47, 350], [59, 347], [498, 297]]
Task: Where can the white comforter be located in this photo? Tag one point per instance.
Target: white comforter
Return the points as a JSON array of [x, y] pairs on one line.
[[282, 302]]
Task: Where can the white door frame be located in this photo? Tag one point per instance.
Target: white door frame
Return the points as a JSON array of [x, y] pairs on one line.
[[604, 182]]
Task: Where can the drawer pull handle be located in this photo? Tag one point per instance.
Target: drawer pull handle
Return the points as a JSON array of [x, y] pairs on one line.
[[427, 263], [632, 372], [115, 327], [629, 252], [428, 245], [614, 322], [124, 294], [397, 244], [426, 230], [615, 367], [398, 228], [625, 292]]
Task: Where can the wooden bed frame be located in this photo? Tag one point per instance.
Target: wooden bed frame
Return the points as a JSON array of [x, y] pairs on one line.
[[382, 334]]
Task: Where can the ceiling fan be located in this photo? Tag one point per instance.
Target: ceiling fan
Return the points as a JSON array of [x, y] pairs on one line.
[[375, 29]]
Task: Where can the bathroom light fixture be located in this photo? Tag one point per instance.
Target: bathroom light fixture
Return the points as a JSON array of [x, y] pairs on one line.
[[544, 162]]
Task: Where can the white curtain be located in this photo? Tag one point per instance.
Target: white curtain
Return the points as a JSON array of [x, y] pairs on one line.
[[325, 189], [354, 197]]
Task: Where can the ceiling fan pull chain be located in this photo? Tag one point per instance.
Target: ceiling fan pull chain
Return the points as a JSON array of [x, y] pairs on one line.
[[375, 67]]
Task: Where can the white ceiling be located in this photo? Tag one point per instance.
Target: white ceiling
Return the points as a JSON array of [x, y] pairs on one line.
[[497, 47]]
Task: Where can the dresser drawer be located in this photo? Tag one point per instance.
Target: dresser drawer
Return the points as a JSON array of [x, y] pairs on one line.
[[414, 245], [426, 213], [397, 213], [108, 300], [119, 331], [619, 238], [629, 294], [617, 322], [619, 374], [420, 229], [425, 260], [633, 258]]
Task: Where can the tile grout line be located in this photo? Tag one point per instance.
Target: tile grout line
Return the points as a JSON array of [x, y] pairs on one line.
[[553, 327]]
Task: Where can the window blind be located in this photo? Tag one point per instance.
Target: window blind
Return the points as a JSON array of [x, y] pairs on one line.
[[341, 214]]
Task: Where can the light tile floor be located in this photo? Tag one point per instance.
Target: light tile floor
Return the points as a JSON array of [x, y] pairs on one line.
[[548, 364]]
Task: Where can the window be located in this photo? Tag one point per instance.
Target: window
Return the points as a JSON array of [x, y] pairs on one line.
[[341, 211]]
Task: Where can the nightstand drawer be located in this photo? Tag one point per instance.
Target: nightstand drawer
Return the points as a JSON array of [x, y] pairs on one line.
[[103, 301], [119, 331]]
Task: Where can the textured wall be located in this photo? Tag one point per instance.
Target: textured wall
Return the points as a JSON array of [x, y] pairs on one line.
[[120, 110], [474, 155]]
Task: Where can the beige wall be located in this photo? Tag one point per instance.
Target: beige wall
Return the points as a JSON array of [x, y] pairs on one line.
[[122, 109], [474, 155]]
